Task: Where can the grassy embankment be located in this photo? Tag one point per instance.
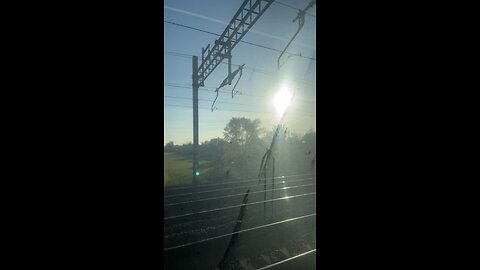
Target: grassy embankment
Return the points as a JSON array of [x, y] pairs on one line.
[[178, 169]]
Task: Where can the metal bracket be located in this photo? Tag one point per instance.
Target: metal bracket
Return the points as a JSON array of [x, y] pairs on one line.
[[301, 20]]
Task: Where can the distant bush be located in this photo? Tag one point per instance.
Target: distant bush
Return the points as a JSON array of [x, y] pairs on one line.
[[169, 147]]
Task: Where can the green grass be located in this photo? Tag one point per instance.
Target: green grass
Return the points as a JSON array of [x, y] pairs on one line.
[[178, 169]]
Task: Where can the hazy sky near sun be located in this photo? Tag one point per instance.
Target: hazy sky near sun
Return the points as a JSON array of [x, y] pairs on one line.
[[274, 29]]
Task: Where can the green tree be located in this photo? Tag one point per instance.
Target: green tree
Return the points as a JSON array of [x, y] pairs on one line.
[[242, 130], [169, 147], [242, 154]]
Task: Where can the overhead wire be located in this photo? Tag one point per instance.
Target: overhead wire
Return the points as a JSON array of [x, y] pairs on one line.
[[292, 7], [233, 110], [209, 100], [242, 41], [255, 70], [186, 86]]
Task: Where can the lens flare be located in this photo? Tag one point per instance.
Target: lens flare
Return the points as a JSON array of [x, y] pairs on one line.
[[282, 100]]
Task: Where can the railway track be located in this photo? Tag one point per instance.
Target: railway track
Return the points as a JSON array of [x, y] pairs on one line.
[[274, 230]]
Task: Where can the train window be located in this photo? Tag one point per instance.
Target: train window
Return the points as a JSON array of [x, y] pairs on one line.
[[240, 134]]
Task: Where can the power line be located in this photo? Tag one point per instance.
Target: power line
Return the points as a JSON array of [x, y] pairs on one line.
[[223, 22], [232, 110], [228, 92], [246, 42], [232, 103], [189, 98], [255, 70], [238, 110], [189, 56], [209, 109], [292, 7], [185, 86], [205, 90]]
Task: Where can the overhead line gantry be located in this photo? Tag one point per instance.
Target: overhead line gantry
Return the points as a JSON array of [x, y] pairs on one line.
[[245, 17]]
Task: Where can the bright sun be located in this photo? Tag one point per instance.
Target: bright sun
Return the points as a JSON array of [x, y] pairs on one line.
[[282, 100]]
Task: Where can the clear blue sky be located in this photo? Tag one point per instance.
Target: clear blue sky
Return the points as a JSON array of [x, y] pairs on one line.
[[274, 29]]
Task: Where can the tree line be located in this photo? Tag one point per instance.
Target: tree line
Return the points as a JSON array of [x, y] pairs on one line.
[[238, 155]]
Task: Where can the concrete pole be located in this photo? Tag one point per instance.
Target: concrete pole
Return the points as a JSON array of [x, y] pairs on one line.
[[195, 119]]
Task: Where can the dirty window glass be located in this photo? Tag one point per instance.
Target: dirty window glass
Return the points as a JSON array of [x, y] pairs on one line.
[[240, 134]]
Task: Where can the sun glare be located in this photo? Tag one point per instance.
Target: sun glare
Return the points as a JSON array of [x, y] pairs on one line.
[[282, 100]]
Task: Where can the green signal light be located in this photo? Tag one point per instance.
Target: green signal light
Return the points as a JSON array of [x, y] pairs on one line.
[[197, 173]]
